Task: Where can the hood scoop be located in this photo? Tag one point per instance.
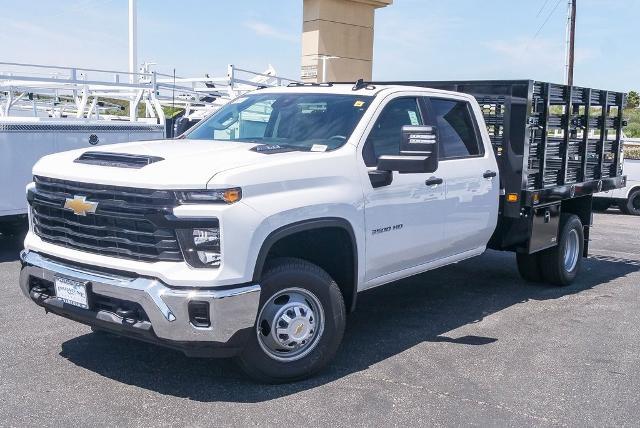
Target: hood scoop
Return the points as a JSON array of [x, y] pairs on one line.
[[117, 160]]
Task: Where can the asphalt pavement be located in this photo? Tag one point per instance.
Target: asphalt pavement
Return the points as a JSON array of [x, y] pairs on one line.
[[469, 344]]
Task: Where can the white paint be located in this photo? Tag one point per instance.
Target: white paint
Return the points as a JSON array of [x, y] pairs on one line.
[[440, 225], [20, 150], [630, 168]]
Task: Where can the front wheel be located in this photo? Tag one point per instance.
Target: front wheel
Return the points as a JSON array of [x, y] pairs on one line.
[[632, 204], [560, 265], [300, 323]]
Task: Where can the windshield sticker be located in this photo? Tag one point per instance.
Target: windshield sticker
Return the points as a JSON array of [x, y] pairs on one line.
[[358, 104], [318, 148], [413, 117]]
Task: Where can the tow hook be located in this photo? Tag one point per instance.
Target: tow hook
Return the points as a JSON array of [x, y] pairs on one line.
[[128, 315]]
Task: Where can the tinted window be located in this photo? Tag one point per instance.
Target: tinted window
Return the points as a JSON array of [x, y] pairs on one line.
[[385, 137], [292, 120], [457, 130]]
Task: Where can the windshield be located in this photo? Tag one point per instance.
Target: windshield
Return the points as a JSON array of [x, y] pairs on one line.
[[302, 121]]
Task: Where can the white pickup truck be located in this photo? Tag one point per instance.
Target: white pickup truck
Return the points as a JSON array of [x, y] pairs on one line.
[[626, 198], [251, 235]]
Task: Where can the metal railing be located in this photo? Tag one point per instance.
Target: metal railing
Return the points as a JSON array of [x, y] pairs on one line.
[[70, 92]]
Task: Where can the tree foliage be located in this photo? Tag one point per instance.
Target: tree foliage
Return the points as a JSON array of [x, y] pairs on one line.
[[633, 100]]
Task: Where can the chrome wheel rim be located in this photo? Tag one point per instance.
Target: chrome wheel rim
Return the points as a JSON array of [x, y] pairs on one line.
[[571, 250], [290, 324]]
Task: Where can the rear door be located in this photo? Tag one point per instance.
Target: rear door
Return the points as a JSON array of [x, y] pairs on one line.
[[470, 172]]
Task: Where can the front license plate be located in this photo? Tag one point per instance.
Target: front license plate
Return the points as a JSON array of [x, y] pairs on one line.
[[72, 292]]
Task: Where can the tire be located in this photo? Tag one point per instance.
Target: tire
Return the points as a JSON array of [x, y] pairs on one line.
[[601, 204], [632, 205], [529, 267], [556, 268], [315, 308]]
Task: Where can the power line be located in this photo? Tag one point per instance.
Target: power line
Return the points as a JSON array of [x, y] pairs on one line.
[[546, 20], [542, 8]]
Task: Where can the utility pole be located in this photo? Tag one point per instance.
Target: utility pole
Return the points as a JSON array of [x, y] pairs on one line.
[[133, 54], [571, 41]]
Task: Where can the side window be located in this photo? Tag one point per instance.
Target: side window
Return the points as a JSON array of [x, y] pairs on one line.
[[457, 130], [385, 136]]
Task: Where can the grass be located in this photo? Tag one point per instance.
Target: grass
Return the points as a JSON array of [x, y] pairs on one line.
[[633, 128]]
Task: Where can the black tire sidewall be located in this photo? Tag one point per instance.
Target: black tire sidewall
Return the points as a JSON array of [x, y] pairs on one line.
[[552, 261], [288, 273], [630, 209]]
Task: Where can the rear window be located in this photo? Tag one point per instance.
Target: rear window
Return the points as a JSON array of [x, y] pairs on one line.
[[458, 136]]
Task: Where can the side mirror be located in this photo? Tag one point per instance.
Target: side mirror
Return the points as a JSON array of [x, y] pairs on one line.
[[418, 152]]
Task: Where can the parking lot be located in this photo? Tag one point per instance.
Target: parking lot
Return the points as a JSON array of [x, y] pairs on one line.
[[467, 344]]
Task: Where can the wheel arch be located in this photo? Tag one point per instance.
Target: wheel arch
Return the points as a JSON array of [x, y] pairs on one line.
[[349, 289], [635, 187]]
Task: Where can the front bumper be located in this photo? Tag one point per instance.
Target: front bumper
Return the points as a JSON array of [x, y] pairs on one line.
[[232, 311]]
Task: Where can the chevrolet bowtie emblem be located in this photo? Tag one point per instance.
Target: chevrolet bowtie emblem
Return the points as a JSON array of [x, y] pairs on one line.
[[80, 206]]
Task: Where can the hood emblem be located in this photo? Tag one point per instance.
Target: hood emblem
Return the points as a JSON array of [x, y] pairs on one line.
[[80, 206]]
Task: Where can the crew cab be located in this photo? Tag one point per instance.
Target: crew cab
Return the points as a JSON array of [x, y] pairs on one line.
[[251, 234]]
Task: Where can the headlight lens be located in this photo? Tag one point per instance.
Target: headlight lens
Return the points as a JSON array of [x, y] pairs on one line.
[[229, 196], [201, 246]]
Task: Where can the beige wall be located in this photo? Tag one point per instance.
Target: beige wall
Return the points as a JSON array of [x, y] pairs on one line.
[[341, 28]]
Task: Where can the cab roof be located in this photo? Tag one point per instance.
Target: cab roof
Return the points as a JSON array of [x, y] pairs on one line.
[[348, 89]]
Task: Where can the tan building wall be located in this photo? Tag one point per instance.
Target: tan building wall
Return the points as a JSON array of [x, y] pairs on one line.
[[342, 29]]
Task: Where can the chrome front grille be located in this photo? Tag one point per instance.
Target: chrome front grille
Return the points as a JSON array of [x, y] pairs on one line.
[[125, 223]]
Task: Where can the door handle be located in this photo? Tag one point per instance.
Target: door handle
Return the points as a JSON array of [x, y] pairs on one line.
[[433, 181], [489, 174]]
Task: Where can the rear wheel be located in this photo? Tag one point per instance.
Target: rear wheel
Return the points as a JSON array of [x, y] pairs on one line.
[[300, 323], [529, 266], [632, 205], [561, 264]]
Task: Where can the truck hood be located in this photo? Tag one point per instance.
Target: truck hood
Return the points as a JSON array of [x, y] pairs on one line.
[[178, 164]]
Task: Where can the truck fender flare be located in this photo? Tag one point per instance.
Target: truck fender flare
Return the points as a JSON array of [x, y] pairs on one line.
[[636, 186], [304, 225]]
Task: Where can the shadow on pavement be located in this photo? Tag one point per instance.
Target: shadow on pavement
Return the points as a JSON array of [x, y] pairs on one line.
[[10, 247], [388, 321]]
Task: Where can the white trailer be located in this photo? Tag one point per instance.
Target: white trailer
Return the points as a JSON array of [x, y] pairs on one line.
[[25, 140], [48, 109]]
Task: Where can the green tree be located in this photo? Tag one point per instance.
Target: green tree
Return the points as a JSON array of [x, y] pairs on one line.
[[633, 100]]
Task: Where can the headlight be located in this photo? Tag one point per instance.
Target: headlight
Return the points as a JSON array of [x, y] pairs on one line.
[[229, 196], [201, 246]]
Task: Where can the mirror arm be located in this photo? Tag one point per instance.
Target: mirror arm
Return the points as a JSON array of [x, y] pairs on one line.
[[380, 178]]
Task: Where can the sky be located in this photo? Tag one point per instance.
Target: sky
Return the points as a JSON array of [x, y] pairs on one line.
[[414, 39]]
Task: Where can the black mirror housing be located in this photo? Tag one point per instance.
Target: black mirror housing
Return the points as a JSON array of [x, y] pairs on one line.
[[418, 152]]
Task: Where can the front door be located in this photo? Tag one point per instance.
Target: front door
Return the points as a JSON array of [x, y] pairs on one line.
[[405, 219]]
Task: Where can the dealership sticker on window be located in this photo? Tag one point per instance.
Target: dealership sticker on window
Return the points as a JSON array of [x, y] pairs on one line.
[[413, 117], [318, 148], [358, 104]]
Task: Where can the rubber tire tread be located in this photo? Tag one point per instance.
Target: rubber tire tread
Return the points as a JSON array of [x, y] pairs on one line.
[[283, 273], [552, 260]]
